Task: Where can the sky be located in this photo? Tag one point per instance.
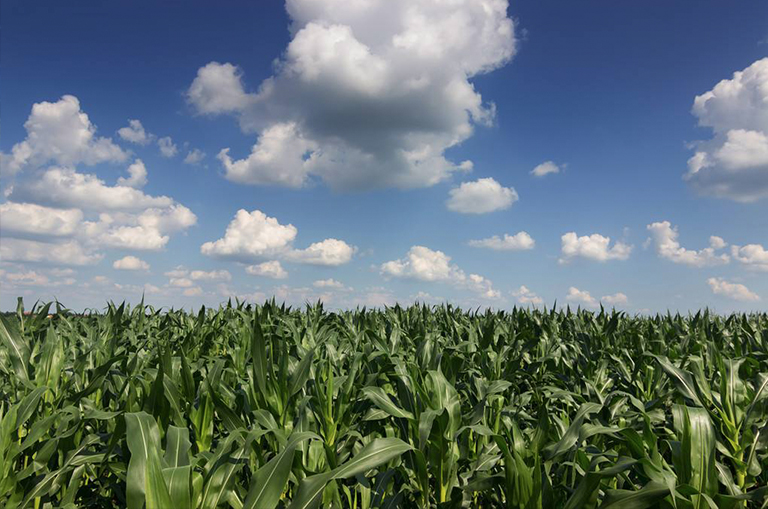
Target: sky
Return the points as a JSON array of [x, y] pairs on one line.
[[478, 152]]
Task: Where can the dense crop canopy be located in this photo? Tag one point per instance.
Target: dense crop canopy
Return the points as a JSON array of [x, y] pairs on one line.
[[263, 407]]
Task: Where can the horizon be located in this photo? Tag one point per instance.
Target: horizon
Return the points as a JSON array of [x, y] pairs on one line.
[[516, 155]]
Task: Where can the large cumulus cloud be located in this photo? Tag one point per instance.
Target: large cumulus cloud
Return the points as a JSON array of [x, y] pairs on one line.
[[367, 94], [734, 163]]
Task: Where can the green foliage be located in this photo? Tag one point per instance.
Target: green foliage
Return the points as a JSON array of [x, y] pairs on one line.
[[264, 407]]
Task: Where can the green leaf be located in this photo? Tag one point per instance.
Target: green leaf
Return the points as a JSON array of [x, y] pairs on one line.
[[177, 447], [376, 453], [18, 350], [269, 481], [381, 399], [646, 497], [145, 481]]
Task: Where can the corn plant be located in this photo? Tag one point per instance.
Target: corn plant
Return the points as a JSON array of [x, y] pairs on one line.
[[268, 406]]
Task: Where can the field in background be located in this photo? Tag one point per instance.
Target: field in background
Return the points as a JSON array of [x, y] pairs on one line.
[[267, 406]]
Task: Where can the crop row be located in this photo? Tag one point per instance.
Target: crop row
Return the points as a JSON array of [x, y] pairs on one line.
[[266, 406]]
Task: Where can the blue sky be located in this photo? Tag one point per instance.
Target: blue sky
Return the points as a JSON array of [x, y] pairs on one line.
[[369, 144]]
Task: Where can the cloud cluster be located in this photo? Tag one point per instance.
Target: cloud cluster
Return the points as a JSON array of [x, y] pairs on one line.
[[364, 96], [424, 264], [253, 235], [62, 133], [665, 236], [59, 215], [734, 163], [481, 197], [518, 242], [593, 247]]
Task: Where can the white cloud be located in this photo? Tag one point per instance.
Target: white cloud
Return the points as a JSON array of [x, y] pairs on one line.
[[481, 197], [734, 291], [218, 88], [66, 188], [330, 252], [425, 298], [65, 253], [130, 263], [251, 235], [370, 95], [64, 203], [181, 282], [211, 275], [581, 297], [146, 231], [754, 256], [518, 242], [281, 156], [194, 156], [482, 286], [328, 283], [545, 168], [137, 175], [31, 219], [193, 292], [615, 299], [179, 271], [424, 264], [734, 163], [667, 246], [377, 297], [56, 272], [167, 147], [271, 269], [254, 235], [716, 242], [62, 133], [134, 132], [526, 296], [593, 247], [61, 202], [151, 289], [29, 278]]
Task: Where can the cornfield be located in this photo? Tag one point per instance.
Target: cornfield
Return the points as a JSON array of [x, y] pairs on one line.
[[267, 406]]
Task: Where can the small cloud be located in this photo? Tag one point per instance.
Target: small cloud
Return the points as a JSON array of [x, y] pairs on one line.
[[615, 299], [581, 297], [135, 133], [192, 292], [328, 283], [194, 156], [518, 242], [130, 263], [667, 246], [271, 269], [735, 291], [546, 168], [593, 247], [481, 197], [167, 147], [526, 296]]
